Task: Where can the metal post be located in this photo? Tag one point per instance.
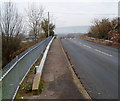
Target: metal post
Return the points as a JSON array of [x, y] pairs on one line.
[[48, 24]]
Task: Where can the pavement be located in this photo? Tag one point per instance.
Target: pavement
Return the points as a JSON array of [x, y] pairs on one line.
[[96, 65], [58, 78]]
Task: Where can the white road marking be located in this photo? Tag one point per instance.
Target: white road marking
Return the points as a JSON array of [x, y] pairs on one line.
[[87, 46], [95, 49], [103, 52]]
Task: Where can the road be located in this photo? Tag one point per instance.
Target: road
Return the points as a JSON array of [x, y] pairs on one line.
[[96, 65]]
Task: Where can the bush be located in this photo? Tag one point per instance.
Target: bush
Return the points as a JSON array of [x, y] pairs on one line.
[[9, 45], [28, 87], [101, 28], [41, 86]]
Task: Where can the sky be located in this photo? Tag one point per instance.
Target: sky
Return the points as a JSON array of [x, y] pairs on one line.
[[73, 12]]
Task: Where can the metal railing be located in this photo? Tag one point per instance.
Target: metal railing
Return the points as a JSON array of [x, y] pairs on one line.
[[14, 73]]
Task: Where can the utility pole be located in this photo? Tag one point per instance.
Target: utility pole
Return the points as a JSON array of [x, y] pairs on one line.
[[48, 25]]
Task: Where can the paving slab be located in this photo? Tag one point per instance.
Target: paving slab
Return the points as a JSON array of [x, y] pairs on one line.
[[57, 76]]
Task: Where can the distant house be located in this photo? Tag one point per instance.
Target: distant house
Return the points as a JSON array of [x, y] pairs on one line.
[[31, 38]]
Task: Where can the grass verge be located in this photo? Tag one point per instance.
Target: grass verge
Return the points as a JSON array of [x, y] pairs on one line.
[[25, 88], [117, 45]]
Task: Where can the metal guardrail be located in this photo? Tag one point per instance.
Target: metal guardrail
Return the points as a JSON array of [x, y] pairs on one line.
[[15, 72], [37, 77]]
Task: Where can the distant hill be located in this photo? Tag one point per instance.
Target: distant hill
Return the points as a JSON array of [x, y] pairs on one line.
[[72, 29]]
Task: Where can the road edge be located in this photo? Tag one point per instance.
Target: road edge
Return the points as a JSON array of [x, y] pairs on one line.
[[74, 76]]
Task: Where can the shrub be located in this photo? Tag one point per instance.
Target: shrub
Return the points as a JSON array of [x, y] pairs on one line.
[[41, 86], [101, 28], [28, 87]]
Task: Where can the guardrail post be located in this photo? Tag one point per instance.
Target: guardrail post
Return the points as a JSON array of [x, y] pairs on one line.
[[19, 68]]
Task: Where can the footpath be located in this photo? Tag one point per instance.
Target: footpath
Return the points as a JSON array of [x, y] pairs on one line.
[[57, 76]]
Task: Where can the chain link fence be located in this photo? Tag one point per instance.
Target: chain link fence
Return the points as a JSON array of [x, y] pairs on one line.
[[14, 73]]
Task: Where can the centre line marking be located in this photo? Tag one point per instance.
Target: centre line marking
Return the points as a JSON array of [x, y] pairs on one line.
[[103, 52], [87, 46]]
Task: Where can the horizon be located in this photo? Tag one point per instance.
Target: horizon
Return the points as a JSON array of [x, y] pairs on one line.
[[72, 13]]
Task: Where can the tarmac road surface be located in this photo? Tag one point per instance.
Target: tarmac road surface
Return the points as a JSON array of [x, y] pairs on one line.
[[96, 65]]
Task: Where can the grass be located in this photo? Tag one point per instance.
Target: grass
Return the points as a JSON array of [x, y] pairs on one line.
[[25, 46], [98, 41], [117, 45], [26, 86], [41, 86], [20, 49], [40, 89]]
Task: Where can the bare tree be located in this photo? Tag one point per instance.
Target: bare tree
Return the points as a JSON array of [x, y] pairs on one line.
[[35, 16], [10, 21], [10, 29]]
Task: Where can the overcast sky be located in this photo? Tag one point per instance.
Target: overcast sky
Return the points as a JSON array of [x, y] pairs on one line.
[[73, 12]]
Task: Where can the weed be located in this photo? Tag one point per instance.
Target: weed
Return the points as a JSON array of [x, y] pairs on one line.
[[41, 86], [28, 87]]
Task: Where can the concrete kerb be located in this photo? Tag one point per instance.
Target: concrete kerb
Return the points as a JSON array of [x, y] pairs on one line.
[[75, 78], [37, 77]]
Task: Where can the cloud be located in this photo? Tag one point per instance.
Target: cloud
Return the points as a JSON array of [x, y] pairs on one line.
[[60, 0], [69, 13]]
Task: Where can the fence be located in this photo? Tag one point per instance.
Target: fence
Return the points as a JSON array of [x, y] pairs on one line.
[[16, 70]]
